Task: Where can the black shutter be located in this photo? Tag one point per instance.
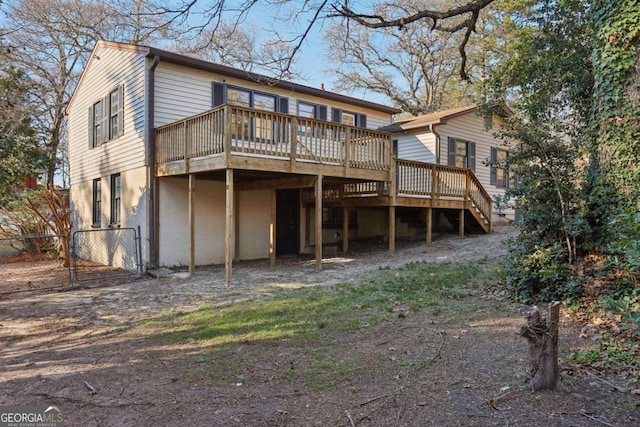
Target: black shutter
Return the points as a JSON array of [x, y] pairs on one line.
[[336, 115], [494, 170], [92, 143], [471, 152], [321, 112], [217, 94], [120, 131], [283, 105], [452, 152], [362, 121]]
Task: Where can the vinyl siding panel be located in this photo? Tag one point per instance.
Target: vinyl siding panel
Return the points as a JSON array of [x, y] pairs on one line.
[[470, 127], [420, 147], [114, 67], [182, 92]]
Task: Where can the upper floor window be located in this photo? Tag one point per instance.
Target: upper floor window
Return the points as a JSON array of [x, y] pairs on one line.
[[349, 118], [500, 176], [106, 117], [462, 153]]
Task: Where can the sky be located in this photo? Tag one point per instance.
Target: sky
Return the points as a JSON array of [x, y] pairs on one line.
[[311, 59]]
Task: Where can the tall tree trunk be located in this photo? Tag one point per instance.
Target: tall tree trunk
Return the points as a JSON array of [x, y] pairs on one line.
[[616, 107]]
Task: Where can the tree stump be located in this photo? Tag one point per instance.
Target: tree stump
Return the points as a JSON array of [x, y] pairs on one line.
[[542, 334]]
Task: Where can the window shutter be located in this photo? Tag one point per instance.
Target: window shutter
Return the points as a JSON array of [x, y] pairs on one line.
[[217, 94], [321, 112], [336, 115], [283, 105], [121, 111], [494, 171], [106, 113], [92, 143], [452, 151], [362, 121], [471, 152]]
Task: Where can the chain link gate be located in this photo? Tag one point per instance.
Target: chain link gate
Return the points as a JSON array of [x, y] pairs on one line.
[[107, 253]]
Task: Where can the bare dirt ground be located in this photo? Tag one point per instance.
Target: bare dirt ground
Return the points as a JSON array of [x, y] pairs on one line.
[[83, 350]]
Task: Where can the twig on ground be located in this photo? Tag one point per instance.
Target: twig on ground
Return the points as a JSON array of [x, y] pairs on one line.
[[382, 396], [350, 419], [610, 384], [595, 419]]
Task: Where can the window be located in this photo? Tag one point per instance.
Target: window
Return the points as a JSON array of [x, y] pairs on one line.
[[106, 118], [97, 123], [462, 153], [114, 115], [116, 196], [97, 203], [245, 124], [312, 111], [348, 118], [500, 176]]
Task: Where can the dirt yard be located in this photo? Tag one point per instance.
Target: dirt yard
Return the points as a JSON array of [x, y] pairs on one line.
[[84, 351]]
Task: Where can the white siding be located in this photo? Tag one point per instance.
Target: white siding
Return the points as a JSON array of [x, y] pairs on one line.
[[420, 147], [114, 67], [124, 155], [183, 92], [470, 127]]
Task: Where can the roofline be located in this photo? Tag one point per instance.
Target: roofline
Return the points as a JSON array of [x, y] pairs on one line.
[[180, 59], [442, 120], [189, 61]]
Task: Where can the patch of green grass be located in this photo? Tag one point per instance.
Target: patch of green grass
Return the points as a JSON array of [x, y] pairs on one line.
[[307, 322]]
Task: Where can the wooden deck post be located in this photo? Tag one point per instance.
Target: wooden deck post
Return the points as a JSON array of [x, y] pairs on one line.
[[192, 196], [345, 230], [429, 224], [318, 228], [272, 231], [392, 229], [293, 132], [228, 229], [461, 222]]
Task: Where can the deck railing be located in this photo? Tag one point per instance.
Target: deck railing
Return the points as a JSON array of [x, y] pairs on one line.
[[419, 179], [247, 131]]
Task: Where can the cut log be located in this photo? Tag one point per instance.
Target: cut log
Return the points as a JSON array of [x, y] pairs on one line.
[[542, 334]]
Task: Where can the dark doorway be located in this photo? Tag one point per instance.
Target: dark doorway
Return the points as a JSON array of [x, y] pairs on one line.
[[288, 222]]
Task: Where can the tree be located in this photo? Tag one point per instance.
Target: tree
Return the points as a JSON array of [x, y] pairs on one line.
[[240, 48], [20, 156], [51, 41], [416, 68], [549, 78], [314, 13]]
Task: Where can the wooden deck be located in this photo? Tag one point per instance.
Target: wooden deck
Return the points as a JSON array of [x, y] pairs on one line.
[[337, 165]]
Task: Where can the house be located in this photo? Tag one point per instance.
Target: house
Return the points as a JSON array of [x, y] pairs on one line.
[[460, 137], [214, 164]]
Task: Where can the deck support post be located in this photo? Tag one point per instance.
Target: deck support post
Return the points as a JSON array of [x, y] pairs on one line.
[[228, 228], [392, 229], [192, 196], [461, 222], [429, 224], [272, 232], [345, 230], [318, 224]]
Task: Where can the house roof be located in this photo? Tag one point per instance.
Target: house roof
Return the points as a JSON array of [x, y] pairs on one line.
[[437, 118], [200, 64]]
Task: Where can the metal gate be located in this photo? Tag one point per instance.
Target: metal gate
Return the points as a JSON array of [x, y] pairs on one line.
[[102, 254]]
